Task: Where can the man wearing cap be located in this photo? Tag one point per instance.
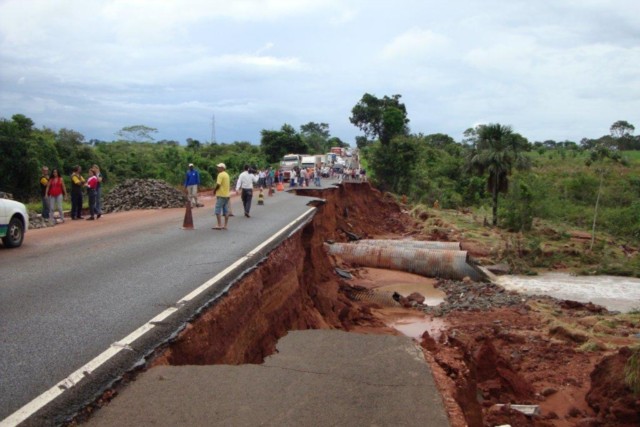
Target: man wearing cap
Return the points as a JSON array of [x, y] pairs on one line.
[[191, 181], [222, 194]]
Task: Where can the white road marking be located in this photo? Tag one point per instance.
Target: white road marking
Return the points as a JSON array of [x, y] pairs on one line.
[[54, 392]]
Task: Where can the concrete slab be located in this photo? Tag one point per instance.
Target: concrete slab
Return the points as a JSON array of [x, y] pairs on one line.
[[317, 378]]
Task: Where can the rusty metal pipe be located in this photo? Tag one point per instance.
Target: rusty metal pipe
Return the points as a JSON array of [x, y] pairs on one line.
[[417, 244], [442, 263]]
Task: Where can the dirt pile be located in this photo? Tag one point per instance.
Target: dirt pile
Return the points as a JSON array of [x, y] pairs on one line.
[[143, 194]]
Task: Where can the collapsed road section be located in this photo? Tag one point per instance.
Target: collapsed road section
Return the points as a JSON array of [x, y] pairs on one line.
[[498, 348]]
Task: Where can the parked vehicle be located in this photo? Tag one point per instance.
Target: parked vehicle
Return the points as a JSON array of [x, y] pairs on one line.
[[14, 222], [288, 162]]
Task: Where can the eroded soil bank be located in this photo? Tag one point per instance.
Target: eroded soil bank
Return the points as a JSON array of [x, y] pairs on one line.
[[491, 346]]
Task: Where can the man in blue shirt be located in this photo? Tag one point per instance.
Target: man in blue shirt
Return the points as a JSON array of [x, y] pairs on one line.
[[191, 181]]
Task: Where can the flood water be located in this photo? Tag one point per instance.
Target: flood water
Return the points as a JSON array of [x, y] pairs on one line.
[[613, 292]]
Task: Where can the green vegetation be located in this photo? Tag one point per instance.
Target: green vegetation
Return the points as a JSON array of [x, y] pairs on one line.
[[535, 203], [632, 371], [24, 149]]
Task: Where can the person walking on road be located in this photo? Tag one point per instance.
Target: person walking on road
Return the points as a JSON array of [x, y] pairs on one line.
[[77, 185], [245, 182], [222, 193], [191, 182], [56, 191]]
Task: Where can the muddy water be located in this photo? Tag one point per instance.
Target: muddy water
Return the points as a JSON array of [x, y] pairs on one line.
[[408, 322], [614, 293], [431, 295]]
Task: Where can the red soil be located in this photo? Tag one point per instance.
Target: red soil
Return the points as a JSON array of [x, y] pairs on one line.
[[503, 355]]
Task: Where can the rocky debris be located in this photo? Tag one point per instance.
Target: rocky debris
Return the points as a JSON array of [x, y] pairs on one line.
[[37, 221], [143, 194], [469, 295]]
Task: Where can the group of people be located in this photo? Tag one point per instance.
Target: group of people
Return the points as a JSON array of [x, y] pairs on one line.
[[301, 177], [53, 192], [244, 186]]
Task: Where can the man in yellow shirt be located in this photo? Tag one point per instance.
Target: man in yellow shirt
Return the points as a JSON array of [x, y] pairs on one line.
[[222, 193]]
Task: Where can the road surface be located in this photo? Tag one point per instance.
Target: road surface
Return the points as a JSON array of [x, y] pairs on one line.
[[73, 292]]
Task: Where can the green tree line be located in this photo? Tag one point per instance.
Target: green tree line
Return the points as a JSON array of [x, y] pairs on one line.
[[24, 149], [595, 181]]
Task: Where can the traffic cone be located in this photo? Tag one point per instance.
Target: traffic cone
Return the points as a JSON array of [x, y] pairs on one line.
[[271, 191], [280, 187], [187, 224], [260, 197]]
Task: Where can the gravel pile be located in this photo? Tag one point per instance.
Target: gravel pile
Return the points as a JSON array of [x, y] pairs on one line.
[[477, 296], [143, 194]]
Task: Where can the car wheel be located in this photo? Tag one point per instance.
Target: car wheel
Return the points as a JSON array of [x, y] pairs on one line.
[[15, 234]]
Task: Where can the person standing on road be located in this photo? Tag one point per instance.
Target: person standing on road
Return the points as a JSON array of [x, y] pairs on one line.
[[56, 191], [222, 193], [98, 190], [92, 189], [191, 182], [77, 185], [245, 182], [44, 181]]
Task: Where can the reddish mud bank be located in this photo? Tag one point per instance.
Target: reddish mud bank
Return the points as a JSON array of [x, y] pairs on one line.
[[490, 350]]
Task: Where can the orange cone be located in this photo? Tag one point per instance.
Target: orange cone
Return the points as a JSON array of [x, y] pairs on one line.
[[188, 218], [280, 187]]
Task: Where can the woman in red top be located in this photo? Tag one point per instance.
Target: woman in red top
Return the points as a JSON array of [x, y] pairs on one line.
[[92, 188], [56, 192]]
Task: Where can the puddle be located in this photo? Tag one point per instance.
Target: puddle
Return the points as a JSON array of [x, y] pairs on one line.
[[431, 295], [414, 327], [613, 292], [405, 284]]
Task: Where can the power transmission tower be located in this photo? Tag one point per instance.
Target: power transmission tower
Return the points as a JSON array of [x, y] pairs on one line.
[[213, 128]]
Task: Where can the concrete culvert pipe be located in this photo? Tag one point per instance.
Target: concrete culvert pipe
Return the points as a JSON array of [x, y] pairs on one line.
[[441, 263], [417, 244]]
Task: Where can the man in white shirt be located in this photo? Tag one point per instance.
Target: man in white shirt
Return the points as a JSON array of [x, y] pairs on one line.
[[245, 182]]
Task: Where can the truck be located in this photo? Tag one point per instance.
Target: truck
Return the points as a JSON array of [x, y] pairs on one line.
[[342, 152], [288, 162], [312, 161]]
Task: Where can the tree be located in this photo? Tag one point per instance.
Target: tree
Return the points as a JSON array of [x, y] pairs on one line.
[[497, 151], [622, 132], [621, 129], [393, 166], [276, 144], [137, 133], [316, 135], [602, 157], [380, 118], [193, 144]]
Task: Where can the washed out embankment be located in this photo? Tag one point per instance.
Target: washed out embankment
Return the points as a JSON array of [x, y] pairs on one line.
[[294, 288], [497, 347]]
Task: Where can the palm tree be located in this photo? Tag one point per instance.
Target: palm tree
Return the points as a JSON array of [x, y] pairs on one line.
[[496, 151]]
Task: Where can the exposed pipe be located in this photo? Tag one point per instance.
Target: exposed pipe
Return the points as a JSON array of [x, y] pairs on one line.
[[417, 244], [442, 263]]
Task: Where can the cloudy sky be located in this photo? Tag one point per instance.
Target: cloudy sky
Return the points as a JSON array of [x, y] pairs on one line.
[[557, 69]]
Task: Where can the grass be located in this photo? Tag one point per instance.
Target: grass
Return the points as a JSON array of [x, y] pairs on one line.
[[632, 371], [549, 245]]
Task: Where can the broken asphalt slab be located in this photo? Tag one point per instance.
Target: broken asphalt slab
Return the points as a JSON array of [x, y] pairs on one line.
[[316, 378]]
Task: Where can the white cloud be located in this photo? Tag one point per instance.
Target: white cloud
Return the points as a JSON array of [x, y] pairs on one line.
[[414, 43], [552, 69]]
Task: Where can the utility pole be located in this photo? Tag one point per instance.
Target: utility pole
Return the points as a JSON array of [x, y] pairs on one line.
[[213, 128]]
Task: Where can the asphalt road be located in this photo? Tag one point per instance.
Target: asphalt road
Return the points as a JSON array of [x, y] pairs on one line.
[[73, 290]]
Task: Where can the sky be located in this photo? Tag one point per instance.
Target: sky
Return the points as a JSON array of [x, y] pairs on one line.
[[225, 70]]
